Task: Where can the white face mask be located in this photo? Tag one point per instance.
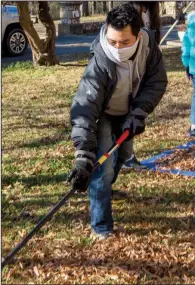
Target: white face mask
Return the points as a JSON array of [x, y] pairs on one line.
[[123, 54], [146, 18]]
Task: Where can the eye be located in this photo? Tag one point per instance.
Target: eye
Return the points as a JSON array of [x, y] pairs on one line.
[[111, 42]]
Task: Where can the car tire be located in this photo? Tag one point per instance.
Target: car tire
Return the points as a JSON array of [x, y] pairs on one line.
[[15, 42]]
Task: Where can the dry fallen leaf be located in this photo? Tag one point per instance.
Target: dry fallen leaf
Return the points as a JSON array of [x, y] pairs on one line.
[[182, 159], [36, 271]]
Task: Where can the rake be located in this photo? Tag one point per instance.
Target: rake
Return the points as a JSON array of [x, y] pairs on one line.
[[42, 222]]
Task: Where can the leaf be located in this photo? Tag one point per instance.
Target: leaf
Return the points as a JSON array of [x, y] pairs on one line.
[[36, 271]]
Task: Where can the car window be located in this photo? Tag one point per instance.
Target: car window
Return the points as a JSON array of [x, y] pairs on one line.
[[12, 10]]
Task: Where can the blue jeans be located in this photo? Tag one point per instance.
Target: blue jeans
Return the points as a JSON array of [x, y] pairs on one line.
[[192, 116], [100, 188]]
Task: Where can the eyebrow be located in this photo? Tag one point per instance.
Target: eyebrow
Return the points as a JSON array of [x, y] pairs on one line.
[[118, 41]]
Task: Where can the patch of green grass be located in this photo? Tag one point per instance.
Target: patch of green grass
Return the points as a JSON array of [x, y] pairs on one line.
[[19, 65]]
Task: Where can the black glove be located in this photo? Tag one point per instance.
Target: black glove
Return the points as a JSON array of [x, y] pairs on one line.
[[135, 124], [81, 173], [188, 74]]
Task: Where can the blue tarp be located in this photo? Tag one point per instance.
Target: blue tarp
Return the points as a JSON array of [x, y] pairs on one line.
[[150, 163]]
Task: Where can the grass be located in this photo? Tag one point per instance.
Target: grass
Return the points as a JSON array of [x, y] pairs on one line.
[[19, 65], [94, 18], [153, 212]]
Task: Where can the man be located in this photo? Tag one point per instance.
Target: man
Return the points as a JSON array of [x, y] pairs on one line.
[[150, 18], [122, 84]]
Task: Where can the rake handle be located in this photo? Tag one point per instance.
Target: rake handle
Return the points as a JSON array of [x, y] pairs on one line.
[[59, 204], [37, 227]]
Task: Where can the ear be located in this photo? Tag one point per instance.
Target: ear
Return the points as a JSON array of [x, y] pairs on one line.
[[139, 35]]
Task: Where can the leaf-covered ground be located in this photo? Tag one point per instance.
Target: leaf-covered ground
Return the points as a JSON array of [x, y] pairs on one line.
[[153, 212], [181, 159]]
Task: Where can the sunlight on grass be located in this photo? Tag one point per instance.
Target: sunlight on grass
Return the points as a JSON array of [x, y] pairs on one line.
[[94, 18], [19, 65]]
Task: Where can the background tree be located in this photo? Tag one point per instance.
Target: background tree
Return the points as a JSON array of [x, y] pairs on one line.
[[85, 8], [43, 50], [111, 5]]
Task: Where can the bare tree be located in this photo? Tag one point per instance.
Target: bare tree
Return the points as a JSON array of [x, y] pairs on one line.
[[110, 5], [104, 7], [43, 50], [85, 8]]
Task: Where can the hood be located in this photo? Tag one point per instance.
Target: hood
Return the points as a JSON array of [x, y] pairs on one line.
[[103, 55], [103, 42], [99, 46], [191, 27], [191, 18]]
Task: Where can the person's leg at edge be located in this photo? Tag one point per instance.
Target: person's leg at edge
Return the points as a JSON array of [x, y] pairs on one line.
[[192, 115]]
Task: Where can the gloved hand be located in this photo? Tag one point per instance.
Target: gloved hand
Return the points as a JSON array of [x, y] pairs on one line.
[[135, 124], [188, 74], [80, 174]]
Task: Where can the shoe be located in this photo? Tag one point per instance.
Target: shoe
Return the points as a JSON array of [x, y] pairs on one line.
[[132, 162], [101, 236]]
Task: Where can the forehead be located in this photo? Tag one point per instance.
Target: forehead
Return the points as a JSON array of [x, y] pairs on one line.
[[124, 34]]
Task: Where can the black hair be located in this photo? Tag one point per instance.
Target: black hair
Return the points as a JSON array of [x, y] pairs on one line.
[[122, 16], [146, 4]]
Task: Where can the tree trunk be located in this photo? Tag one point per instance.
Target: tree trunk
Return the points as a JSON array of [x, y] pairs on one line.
[[93, 7], [85, 8], [43, 51], [49, 43], [104, 7], [110, 5]]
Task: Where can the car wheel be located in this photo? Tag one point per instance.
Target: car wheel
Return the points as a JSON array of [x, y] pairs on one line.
[[16, 42]]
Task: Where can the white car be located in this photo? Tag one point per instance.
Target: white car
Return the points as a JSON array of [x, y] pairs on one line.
[[14, 40]]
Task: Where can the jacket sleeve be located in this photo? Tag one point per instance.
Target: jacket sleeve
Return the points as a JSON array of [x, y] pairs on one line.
[[152, 87], [186, 50], [87, 106]]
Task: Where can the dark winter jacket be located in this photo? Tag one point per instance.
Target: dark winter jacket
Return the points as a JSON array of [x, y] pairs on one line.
[[98, 84]]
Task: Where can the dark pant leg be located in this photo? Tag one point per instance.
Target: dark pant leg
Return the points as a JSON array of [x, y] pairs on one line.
[[100, 186]]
